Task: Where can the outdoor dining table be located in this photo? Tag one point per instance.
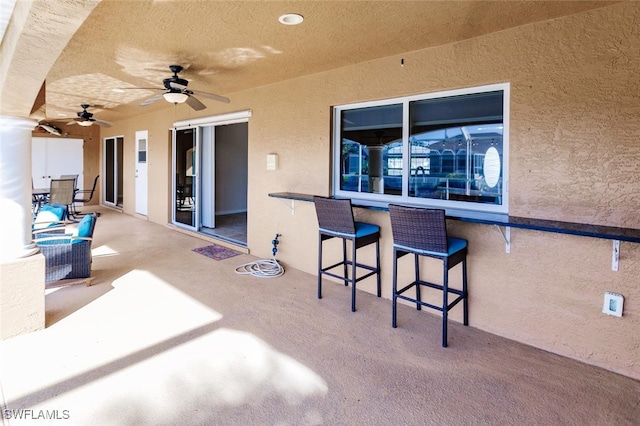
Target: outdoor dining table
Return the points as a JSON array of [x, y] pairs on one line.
[[39, 196]]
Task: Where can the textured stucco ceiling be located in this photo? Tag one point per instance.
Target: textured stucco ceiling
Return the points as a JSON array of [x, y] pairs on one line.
[[229, 46]]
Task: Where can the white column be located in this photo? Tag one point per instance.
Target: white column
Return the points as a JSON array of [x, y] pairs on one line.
[[376, 169], [15, 188]]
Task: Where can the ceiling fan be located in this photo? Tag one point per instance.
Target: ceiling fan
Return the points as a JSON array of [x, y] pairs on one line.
[[54, 130], [176, 92], [85, 118]]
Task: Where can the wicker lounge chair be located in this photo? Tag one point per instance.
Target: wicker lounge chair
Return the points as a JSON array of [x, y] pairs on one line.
[[68, 256]]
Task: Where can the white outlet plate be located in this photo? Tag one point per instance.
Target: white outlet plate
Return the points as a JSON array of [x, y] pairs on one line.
[[612, 304]]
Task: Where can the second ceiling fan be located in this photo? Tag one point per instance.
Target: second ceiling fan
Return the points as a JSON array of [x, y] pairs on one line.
[[176, 92], [85, 118]]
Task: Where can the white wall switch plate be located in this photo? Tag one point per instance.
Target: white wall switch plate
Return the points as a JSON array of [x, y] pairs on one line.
[[612, 304], [272, 161]]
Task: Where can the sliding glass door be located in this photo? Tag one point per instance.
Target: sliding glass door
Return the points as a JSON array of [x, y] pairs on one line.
[[210, 175], [113, 169], [185, 169]]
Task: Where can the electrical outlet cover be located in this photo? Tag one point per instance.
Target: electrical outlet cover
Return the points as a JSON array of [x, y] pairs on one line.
[[612, 304]]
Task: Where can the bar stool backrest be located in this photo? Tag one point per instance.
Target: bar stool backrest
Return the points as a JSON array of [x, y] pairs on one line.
[[335, 214], [419, 228]]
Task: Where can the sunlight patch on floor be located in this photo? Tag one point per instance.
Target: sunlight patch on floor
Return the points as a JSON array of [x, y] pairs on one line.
[[140, 311], [224, 369], [103, 251], [144, 352]]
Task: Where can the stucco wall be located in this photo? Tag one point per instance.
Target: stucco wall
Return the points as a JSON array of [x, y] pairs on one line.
[[575, 127]]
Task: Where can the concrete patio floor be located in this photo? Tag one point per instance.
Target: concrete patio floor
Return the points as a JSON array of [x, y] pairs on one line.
[[166, 336]]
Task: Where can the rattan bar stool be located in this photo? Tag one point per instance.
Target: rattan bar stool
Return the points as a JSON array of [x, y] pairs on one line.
[[335, 220], [423, 232]]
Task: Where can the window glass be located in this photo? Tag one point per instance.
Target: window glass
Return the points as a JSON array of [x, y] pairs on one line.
[[371, 150], [443, 150], [456, 132], [142, 150]]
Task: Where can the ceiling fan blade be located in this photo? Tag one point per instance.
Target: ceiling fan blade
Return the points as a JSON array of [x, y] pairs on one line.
[[74, 121], [51, 129], [102, 123], [195, 104], [211, 96], [152, 99], [117, 89]]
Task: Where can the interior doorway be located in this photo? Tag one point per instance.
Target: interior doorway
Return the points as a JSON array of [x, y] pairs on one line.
[[225, 146], [211, 178]]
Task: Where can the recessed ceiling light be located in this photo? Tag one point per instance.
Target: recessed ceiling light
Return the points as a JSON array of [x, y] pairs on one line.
[[290, 19], [117, 90]]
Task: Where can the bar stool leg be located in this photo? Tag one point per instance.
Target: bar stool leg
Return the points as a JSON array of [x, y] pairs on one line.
[[465, 306], [353, 276], [378, 267], [394, 290], [417, 270], [320, 267], [344, 261], [445, 303]]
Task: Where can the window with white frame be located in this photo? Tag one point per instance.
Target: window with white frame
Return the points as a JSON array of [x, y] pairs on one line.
[[445, 149]]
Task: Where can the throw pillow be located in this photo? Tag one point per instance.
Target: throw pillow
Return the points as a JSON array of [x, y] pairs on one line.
[[57, 209], [49, 215], [85, 226]]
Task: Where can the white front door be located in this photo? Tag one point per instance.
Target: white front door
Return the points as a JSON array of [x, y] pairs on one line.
[[142, 139]]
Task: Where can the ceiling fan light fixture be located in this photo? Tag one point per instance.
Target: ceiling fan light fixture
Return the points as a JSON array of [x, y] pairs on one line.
[[85, 123], [291, 19], [175, 98]]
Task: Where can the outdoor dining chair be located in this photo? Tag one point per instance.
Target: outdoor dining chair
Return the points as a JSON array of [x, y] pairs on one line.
[[83, 196], [62, 192], [75, 180]]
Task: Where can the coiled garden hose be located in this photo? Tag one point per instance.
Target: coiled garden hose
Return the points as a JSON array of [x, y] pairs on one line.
[[266, 268]]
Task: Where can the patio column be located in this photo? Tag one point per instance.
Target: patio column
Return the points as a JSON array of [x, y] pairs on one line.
[[15, 188], [376, 169], [21, 265]]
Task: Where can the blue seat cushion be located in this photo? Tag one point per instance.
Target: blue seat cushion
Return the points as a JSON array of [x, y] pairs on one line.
[[364, 229], [85, 226], [455, 245]]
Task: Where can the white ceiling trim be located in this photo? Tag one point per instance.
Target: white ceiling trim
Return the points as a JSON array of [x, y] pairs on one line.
[[214, 120]]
